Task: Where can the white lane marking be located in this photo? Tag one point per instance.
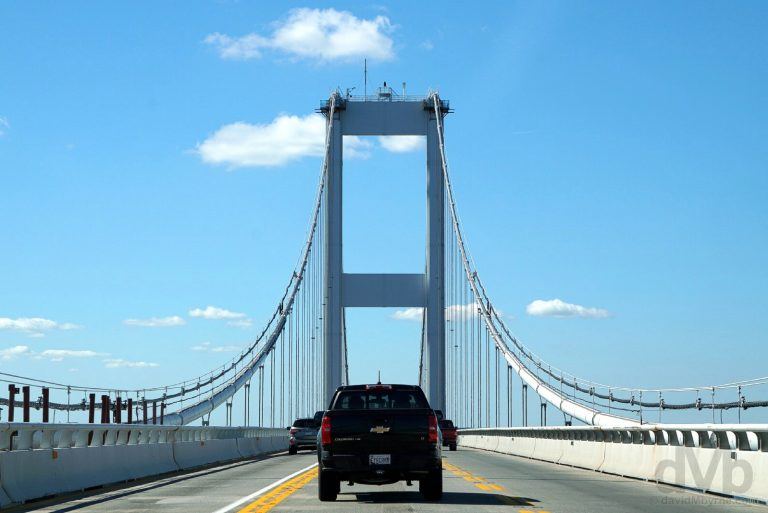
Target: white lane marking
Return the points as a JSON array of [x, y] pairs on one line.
[[264, 490]]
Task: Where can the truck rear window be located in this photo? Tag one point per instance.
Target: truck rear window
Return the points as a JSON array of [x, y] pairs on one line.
[[380, 400]]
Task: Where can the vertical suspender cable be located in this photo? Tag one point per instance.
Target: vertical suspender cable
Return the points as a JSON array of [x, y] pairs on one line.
[[272, 390]]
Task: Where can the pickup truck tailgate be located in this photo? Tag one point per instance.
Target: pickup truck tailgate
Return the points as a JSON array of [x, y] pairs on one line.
[[390, 431]]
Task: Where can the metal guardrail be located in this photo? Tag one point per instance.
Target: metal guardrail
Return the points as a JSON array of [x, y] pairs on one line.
[[394, 97], [744, 437], [725, 459], [26, 436]]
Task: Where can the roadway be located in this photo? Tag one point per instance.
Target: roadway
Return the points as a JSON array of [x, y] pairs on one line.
[[474, 481]]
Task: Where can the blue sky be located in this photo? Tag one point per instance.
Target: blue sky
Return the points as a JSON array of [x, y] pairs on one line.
[[611, 155]]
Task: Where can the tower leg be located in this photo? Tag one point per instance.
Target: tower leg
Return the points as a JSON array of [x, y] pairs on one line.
[[435, 275], [333, 317]]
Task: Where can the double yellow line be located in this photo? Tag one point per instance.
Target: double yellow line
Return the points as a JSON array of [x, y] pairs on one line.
[[479, 482], [278, 494], [275, 496]]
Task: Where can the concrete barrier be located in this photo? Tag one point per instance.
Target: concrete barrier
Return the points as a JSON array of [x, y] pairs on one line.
[[727, 460], [279, 443], [548, 449], [205, 452], [583, 454], [40, 460], [249, 447], [37, 473]]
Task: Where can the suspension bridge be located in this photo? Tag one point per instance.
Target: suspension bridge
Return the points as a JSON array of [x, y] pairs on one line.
[[153, 448]]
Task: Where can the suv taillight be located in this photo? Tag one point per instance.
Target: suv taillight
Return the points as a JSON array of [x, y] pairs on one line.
[[325, 431], [293, 431], [432, 435]]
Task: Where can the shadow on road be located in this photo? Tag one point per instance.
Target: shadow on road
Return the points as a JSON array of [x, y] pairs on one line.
[[466, 498]]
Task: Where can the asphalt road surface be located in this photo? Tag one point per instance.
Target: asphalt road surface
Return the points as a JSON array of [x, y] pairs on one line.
[[474, 481]]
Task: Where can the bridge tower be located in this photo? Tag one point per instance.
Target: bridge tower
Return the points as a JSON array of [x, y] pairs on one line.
[[385, 114]]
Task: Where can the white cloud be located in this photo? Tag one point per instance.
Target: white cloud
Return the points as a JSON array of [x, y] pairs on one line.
[[461, 311], [427, 45], [57, 355], [559, 308], [4, 125], [286, 139], [206, 346], [54, 355], [318, 34], [402, 143], [451, 312], [214, 312], [34, 326], [225, 349], [12, 352], [409, 314], [237, 48], [114, 363], [156, 322], [356, 147], [236, 319]]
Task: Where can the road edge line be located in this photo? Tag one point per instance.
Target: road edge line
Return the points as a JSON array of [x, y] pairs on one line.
[[264, 490]]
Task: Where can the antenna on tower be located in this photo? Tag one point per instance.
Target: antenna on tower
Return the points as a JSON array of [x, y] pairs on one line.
[[379, 381], [365, 73]]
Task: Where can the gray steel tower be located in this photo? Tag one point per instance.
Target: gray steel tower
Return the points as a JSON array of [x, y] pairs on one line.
[[385, 114]]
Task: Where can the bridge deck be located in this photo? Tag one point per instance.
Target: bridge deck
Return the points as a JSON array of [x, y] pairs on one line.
[[475, 482]]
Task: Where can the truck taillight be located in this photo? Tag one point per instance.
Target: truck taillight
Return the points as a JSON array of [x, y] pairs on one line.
[[294, 431], [325, 431], [432, 435]]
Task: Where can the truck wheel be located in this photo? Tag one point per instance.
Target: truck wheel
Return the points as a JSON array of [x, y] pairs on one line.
[[452, 447], [431, 487], [328, 486], [292, 449]]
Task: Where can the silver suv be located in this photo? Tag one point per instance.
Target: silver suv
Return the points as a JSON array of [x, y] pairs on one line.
[[303, 435]]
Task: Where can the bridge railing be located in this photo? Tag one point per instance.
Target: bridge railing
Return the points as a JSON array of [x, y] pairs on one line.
[[745, 437], [40, 460], [725, 459], [26, 436]]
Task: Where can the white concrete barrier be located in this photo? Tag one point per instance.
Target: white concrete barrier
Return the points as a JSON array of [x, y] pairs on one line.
[[204, 452], [38, 460], [583, 454], [725, 459], [548, 449], [279, 443], [37, 473], [249, 447]]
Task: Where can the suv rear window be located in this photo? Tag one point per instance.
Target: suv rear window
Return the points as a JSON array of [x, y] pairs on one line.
[[446, 424], [380, 400], [304, 423]]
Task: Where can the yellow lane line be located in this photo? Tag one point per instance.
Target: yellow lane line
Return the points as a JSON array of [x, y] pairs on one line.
[[487, 486], [479, 481], [278, 494]]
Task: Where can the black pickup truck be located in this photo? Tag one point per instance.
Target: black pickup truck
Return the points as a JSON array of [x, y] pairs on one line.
[[379, 434]]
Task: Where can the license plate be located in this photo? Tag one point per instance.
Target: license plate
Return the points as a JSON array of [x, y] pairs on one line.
[[380, 459]]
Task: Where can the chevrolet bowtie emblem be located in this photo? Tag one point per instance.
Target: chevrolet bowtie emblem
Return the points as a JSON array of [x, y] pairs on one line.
[[379, 430]]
